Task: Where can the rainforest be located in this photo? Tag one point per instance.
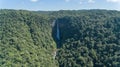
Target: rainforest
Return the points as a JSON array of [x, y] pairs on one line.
[[64, 38]]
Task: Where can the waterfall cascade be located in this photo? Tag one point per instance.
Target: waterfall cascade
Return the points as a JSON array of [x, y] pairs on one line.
[[58, 32]]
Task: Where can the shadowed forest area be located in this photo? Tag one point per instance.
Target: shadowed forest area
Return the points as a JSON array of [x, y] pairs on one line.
[[65, 38]]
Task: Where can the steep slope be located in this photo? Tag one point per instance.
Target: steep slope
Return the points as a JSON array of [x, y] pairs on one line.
[[25, 40], [83, 38], [89, 40]]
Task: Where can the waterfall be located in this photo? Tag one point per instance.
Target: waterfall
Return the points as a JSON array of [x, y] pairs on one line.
[[58, 32], [53, 23]]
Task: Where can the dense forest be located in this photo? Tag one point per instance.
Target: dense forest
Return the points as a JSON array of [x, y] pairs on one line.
[[78, 38], [25, 40]]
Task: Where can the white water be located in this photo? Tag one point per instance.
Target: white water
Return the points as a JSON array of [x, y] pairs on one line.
[[58, 32], [57, 29], [53, 23], [57, 36], [54, 54]]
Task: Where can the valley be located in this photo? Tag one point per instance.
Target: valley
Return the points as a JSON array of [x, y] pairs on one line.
[[65, 38]]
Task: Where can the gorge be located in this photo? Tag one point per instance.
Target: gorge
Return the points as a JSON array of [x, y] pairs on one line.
[[65, 38]]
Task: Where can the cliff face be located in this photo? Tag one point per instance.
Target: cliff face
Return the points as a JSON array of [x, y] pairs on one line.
[[85, 38]]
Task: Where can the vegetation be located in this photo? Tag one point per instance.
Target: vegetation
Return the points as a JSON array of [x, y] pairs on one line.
[[88, 38], [25, 40]]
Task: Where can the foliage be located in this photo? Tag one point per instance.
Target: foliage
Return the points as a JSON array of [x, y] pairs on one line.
[[25, 40], [89, 41], [88, 38]]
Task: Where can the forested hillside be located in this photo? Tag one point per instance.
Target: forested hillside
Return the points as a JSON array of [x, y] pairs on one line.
[[25, 40], [83, 38], [88, 43]]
